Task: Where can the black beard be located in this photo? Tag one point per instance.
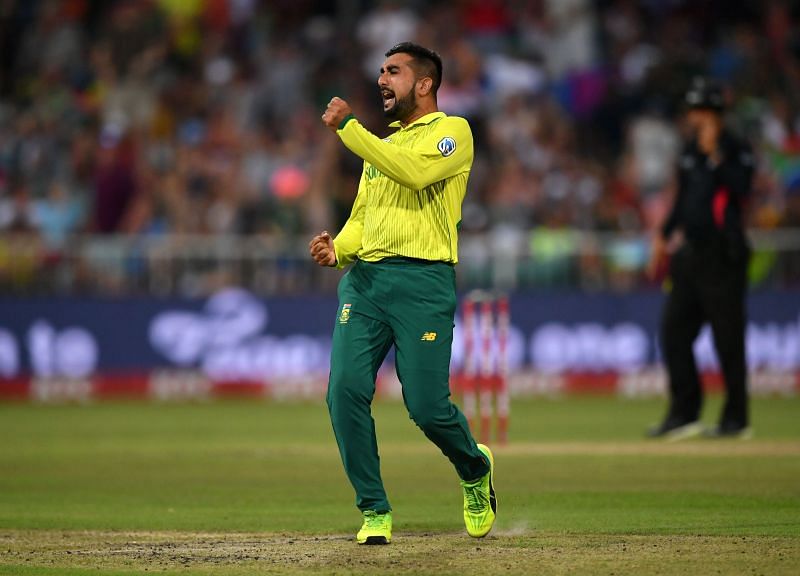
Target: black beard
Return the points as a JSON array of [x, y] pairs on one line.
[[403, 107]]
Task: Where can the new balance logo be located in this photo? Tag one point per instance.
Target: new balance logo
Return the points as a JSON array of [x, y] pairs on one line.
[[428, 337]]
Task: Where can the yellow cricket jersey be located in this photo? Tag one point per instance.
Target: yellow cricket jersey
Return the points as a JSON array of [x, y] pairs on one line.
[[411, 189]]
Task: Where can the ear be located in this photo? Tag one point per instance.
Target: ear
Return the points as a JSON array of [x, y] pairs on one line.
[[424, 86]]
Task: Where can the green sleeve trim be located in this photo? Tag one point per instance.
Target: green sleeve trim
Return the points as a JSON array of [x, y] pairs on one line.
[[344, 122]]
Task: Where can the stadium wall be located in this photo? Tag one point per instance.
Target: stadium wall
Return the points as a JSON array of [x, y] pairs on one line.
[[235, 344]]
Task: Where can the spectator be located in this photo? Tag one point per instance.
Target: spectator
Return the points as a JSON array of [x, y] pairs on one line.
[[203, 101], [114, 181]]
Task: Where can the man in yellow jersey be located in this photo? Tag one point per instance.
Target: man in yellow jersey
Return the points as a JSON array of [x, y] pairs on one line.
[[402, 239]]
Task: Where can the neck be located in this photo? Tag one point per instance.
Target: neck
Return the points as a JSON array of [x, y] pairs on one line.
[[419, 112]]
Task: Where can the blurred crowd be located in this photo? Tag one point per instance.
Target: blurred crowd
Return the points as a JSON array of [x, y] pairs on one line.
[[202, 117]]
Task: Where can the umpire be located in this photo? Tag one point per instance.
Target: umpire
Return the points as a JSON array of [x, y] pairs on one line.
[[704, 233]]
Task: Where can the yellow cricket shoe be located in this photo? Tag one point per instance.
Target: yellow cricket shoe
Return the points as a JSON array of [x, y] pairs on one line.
[[377, 528], [480, 502]]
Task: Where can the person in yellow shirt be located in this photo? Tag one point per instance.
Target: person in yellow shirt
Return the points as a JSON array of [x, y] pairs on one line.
[[401, 242]]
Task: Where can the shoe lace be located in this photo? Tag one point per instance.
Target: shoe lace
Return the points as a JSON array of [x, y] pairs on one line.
[[373, 520], [475, 498]]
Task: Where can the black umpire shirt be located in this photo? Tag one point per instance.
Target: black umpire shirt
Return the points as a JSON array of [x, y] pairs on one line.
[[710, 202]]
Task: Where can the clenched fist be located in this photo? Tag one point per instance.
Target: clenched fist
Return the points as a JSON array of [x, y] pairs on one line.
[[337, 111], [321, 250]]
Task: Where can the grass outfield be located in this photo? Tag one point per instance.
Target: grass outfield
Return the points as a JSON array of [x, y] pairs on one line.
[[254, 487]]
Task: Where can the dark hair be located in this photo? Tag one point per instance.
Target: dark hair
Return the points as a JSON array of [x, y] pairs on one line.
[[426, 62]]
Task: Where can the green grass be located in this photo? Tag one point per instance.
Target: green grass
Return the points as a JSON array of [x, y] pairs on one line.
[[576, 474]]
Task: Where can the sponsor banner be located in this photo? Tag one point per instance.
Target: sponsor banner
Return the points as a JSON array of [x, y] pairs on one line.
[[234, 343], [182, 385]]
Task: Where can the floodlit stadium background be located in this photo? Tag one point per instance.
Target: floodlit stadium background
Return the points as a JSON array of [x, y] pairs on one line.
[[163, 166]]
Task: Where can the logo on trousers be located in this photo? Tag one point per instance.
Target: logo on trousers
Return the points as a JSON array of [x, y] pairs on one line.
[[428, 337], [344, 316]]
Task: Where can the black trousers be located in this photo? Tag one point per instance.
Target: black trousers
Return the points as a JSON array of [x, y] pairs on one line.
[[709, 285]]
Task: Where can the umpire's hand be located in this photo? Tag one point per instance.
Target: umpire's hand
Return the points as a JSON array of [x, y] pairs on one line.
[[322, 250], [658, 254]]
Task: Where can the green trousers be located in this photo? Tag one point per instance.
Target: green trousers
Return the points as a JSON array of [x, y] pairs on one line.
[[409, 304]]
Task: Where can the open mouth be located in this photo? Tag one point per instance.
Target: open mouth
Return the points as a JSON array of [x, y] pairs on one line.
[[388, 99]]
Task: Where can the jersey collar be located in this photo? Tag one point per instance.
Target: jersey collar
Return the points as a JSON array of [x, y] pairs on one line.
[[427, 119]]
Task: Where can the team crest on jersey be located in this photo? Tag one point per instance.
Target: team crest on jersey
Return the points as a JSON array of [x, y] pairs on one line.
[[446, 146], [344, 316]]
